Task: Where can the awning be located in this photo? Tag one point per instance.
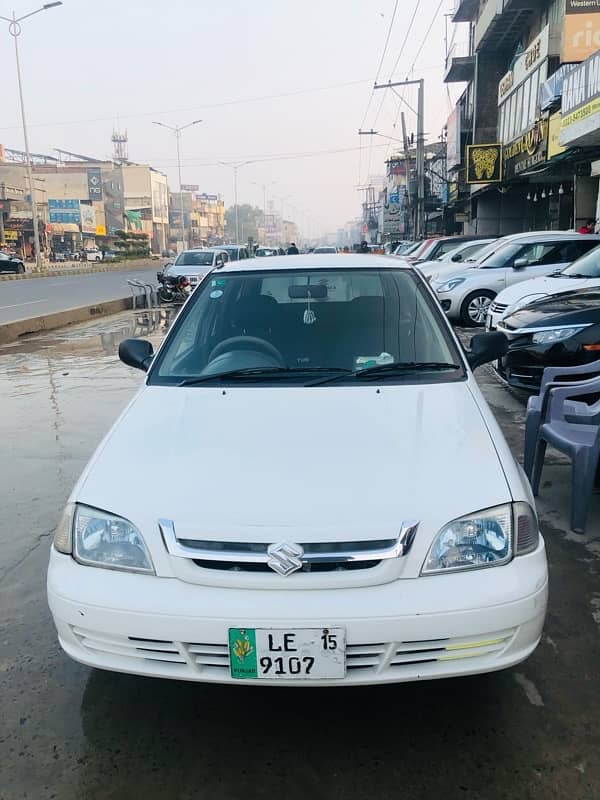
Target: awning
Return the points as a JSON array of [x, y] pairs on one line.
[[59, 228]]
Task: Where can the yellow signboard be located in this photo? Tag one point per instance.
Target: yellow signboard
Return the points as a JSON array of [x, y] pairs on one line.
[[11, 236], [554, 146], [100, 230], [484, 163]]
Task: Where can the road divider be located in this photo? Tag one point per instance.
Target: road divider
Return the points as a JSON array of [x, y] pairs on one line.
[[59, 273], [11, 331]]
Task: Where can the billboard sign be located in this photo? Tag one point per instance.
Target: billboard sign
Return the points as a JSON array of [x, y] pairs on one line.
[[88, 218], [190, 187], [581, 30], [484, 163], [94, 178]]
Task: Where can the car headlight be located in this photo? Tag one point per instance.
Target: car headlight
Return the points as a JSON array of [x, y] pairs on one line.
[[449, 285], [556, 335], [99, 539], [487, 538]]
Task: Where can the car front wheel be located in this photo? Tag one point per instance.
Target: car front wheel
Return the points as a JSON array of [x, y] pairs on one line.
[[475, 307], [21, 269]]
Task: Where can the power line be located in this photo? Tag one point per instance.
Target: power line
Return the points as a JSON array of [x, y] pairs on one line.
[[223, 104], [403, 45], [387, 41]]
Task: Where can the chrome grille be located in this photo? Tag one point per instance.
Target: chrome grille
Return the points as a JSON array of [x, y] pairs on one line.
[[311, 557], [498, 308]]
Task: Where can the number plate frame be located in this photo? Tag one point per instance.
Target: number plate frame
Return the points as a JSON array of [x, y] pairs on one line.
[[288, 648]]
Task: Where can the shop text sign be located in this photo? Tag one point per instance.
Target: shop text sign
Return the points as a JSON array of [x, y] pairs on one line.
[[535, 54], [527, 151]]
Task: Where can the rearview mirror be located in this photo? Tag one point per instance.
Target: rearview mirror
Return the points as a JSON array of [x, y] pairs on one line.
[[136, 353], [486, 347], [520, 263]]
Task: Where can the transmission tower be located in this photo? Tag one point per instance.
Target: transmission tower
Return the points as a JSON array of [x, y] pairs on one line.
[[120, 150]]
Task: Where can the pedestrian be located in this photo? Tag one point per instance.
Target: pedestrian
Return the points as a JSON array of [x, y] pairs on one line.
[[589, 227], [364, 247], [293, 250]]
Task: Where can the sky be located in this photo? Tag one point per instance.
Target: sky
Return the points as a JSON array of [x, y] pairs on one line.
[[269, 79]]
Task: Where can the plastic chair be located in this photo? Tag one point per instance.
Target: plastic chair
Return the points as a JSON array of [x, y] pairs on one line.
[[580, 442], [537, 406]]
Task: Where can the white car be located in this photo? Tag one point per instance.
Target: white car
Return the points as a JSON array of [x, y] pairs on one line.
[[581, 274], [342, 510], [196, 263], [93, 254], [454, 259], [466, 295]]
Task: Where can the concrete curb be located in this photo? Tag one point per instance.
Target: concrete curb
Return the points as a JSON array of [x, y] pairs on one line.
[[11, 331], [122, 266]]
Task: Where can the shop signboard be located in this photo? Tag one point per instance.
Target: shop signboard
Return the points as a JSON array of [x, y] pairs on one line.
[[392, 218], [532, 58], [190, 187], [581, 103], [527, 151], [88, 218], [453, 150], [484, 163], [581, 30]]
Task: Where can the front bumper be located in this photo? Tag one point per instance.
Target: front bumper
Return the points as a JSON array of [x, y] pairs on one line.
[[450, 304], [433, 627]]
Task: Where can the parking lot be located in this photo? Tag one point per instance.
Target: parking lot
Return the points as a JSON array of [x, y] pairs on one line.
[[67, 731]]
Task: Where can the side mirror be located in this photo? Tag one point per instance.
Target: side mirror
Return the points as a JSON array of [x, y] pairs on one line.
[[136, 353], [456, 258], [486, 347], [520, 263]]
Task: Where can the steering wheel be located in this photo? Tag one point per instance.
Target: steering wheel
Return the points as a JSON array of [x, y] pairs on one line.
[[246, 343]]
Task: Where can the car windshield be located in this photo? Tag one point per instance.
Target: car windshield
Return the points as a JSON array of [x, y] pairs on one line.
[[588, 266], [287, 324], [502, 256], [194, 258]]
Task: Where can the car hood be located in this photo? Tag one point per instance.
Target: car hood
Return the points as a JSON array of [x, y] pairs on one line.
[[321, 464], [540, 287], [577, 308], [183, 269], [442, 270]]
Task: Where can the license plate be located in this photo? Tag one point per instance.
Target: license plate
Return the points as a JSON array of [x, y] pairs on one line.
[[287, 654]]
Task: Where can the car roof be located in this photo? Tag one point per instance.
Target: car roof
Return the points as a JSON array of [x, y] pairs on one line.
[[543, 235], [316, 261]]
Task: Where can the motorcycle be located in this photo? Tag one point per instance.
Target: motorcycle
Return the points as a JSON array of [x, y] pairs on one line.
[[173, 288]]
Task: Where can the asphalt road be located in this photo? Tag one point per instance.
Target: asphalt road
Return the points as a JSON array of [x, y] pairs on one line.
[[35, 297], [73, 733]]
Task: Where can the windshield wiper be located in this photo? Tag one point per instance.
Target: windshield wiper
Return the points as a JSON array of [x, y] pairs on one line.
[[574, 275], [259, 372], [394, 368]]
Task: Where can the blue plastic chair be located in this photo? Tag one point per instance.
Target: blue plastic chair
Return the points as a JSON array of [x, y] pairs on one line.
[[537, 406], [580, 442]]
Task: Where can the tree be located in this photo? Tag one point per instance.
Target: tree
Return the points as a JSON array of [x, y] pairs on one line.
[[249, 220]]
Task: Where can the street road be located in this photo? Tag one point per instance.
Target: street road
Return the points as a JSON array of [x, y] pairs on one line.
[[73, 733], [37, 296]]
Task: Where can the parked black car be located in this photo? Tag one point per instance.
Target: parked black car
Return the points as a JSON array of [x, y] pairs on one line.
[[11, 264], [562, 330]]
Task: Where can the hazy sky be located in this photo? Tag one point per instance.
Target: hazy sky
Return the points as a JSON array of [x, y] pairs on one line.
[[91, 65]]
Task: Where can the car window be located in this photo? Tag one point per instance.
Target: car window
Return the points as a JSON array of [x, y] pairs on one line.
[[588, 266], [191, 258], [503, 257], [446, 247], [470, 249], [306, 319]]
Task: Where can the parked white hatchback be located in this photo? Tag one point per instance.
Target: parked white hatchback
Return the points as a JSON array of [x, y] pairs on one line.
[[466, 296], [335, 503]]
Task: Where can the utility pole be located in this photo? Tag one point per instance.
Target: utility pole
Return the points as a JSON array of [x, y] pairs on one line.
[[235, 166], [407, 167], [420, 215]]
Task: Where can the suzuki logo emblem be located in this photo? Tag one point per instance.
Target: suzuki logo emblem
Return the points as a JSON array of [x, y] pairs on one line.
[[285, 558]]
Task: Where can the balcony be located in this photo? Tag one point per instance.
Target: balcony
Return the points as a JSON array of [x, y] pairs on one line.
[[499, 28], [465, 10], [460, 65]]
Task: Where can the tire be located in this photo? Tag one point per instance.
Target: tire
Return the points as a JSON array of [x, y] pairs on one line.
[[474, 308], [21, 269], [165, 295]]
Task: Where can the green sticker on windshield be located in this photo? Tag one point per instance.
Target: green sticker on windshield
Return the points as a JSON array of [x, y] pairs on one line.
[[242, 653], [218, 282]]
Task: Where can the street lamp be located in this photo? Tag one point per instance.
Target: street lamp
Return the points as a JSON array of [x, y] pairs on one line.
[[235, 167], [177, 129], [264, 188], [14, 28]]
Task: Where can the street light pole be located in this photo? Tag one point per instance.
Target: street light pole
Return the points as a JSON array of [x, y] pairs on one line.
[[177, 130], [15, 29], [264, 188], [235, 167]]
